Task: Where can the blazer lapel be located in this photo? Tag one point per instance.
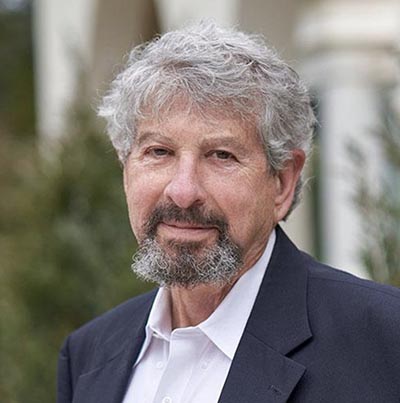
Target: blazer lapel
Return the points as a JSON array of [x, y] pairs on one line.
[[261, 370], [107, 381], [260, 374]]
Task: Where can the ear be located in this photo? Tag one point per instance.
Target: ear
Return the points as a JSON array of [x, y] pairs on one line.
[[286, 183]]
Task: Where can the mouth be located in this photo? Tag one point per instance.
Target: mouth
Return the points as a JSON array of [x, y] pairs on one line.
[[187, 232]]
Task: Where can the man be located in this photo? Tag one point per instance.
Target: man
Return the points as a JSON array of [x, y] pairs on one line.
[[213, 131]]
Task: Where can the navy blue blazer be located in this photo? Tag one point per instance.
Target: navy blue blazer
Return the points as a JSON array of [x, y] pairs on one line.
[[315, 334]]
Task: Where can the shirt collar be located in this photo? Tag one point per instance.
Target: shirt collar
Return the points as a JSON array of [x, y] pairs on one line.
[[225, 326]]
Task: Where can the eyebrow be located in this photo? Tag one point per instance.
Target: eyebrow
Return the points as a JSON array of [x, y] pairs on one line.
[[222, 141], [147, 136], [225, 141]]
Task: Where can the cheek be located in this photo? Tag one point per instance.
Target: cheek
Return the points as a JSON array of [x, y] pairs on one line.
[[142, 197], [250, 213], [133, 211]]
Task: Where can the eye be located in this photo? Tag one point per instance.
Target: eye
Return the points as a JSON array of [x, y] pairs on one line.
[[223, 155], [158, 152]]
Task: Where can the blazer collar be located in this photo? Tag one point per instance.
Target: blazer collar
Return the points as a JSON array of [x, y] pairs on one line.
[[278, 324]]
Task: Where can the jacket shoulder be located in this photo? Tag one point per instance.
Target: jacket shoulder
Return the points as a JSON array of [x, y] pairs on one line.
[[116, 316], [352, 300], [98, 341], [82, 345], [355, 326], [328, 277]]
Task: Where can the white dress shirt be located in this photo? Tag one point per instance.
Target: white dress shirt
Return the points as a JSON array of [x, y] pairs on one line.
[[190, 365]]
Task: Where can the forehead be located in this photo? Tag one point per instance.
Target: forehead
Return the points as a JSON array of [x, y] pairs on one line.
[[184, 122]]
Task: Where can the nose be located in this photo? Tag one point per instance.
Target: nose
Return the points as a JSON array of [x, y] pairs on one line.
[[185, 188]]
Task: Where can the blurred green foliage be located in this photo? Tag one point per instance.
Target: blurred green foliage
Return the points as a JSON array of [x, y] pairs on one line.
[[379, 204], [65, 241], [66, 247]]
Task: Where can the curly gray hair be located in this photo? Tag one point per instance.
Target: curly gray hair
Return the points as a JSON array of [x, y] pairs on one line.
[[215, 69]]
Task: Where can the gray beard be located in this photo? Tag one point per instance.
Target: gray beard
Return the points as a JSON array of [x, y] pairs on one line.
[[187, 265]]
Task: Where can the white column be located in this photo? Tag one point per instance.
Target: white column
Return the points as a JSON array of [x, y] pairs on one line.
[[349, 47], [63, 43]]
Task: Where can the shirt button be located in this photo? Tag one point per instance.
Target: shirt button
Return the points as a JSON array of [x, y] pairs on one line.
[[204, 365], [159, 365], [167, 399]]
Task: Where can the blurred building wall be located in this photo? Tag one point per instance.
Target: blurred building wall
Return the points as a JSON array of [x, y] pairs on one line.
[[346, 50], [350, 57]]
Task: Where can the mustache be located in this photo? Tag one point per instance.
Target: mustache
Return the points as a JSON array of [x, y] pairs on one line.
[[194, 215]]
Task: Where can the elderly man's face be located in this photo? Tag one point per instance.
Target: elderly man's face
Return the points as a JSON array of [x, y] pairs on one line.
[[188, 179]]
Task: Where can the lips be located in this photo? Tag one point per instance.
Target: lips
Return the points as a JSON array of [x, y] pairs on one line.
[[183, 225], [185, 231]]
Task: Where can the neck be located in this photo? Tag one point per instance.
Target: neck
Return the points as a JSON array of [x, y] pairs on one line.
[[189, 307]]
